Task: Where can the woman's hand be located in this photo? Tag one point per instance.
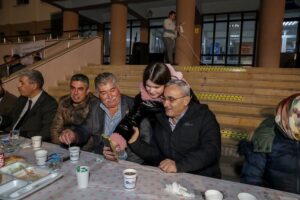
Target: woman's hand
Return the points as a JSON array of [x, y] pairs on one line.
[[135, 135]]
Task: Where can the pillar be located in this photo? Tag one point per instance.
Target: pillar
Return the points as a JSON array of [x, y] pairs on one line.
[[144, 32], [70, 23], [118, 34], [270, 30], [197, 45], [184, 43]]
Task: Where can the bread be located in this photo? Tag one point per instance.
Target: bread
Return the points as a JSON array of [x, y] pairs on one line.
[[12, 159]]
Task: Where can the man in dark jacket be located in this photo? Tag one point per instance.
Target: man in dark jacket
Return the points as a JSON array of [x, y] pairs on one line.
[[186, 138], [35, 109], [7, 100]]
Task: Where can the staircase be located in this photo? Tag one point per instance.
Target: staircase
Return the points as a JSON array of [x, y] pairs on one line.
[[240, 97]]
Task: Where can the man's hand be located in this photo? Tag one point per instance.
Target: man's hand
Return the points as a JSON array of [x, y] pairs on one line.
[[67, 137], [168, 166], [135, 135], [108, 154]]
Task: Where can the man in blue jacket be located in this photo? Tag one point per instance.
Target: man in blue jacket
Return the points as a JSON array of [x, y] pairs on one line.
[[186, 138]]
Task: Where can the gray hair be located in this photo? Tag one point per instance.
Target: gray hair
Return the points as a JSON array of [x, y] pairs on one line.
[[185, 88], [104, 78], [34, 76]]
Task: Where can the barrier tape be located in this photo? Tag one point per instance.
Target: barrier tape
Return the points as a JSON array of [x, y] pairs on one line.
[[220, 97], [234, 134], [213, 68]]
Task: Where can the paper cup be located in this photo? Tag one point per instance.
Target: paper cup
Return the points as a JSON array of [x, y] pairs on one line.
[[246, 196], [74, 154], [36, 142], [41, 157], [129, 176], [82, 173], [213, 195]]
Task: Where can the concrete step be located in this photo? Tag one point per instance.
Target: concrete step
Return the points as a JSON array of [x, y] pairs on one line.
[[248, 122], [248, 75], [237, 108]]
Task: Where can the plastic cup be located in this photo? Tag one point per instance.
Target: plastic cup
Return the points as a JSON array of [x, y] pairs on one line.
[[14, 134], [246, 196], [36, 142], [130, 176], [74, 154], [82, 173], [55, 161], [213, 195], [41, 157]]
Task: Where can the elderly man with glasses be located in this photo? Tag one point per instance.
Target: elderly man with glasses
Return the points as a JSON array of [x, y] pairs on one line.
[[186, 138]]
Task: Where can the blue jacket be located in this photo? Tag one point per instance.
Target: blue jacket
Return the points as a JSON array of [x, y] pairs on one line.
[[278, 168]]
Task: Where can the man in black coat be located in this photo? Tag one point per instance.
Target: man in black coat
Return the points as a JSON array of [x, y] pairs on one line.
[[35, 108], [7, 100], [186, 138]]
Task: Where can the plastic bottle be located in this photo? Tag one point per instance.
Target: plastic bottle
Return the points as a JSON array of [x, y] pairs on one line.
[[2, 161]]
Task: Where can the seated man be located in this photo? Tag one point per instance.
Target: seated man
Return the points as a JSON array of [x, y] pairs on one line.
[[74, 108], [16, 65], [186, 138], [7, 101], [34, 110], [104, 117]]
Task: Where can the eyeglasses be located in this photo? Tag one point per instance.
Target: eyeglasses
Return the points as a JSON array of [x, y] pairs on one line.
[[171, 99]]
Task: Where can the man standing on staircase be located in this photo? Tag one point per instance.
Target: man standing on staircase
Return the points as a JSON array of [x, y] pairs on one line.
[[35, 109], [169, 36]]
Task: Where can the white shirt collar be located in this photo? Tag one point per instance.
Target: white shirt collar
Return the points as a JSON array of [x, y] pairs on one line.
[[35, 98]]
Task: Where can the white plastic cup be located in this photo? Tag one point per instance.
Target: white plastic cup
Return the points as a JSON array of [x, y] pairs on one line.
[[74, 154], [36, 142], [130, 176], [213, 195], [82, 173], [246, 196], [41, 157]]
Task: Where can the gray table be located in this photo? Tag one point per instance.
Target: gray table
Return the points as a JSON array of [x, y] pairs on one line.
[[106, 182]]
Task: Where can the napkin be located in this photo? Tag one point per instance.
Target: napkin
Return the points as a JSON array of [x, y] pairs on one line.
[[179, 190]]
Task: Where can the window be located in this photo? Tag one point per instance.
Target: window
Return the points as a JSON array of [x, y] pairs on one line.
[[228, 39], [22, 2], [289, 36], [132, 36]]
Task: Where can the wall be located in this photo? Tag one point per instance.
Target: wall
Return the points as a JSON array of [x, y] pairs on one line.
[[37, 20], [59, 66]]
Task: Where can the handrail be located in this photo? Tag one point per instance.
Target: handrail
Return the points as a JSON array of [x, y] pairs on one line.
[[56, 34], [8, 64]]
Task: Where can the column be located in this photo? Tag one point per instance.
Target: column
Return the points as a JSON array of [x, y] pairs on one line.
[[144, 31], [270, 28], [197, 44], [70, 23], [184, 43], [118, 34]]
